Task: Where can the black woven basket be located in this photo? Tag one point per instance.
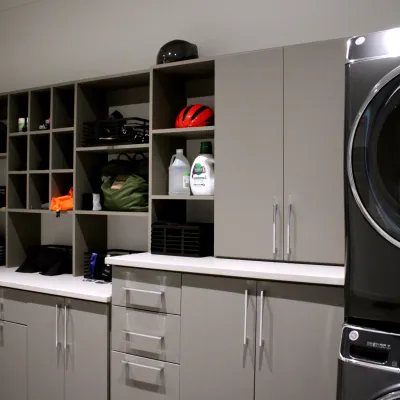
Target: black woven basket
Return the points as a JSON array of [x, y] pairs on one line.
[[116, 131], [190, 240]]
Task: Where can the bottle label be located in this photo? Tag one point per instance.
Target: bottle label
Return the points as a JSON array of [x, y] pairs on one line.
[[186, 181], [198, 169]]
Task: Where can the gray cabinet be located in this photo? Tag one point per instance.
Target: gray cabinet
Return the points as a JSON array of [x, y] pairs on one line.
[[298, 335], [45, 347], [292, 336], [67, 349], [279, 146], [87, 351], [314, 76], [217, 338], [249, 150], [13, 361]]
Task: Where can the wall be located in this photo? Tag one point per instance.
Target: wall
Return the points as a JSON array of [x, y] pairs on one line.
[[50, 41]]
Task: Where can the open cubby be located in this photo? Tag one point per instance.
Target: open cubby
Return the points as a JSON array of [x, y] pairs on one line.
[[96, 100], [39, 108], [63, 106], [38, 191], [176, 86], [88, 178], [61, 183], [18, 153], [62, 150], [16, 191], [18, 109], [39, 152], [3, 123], [24, 231], [164, 147]]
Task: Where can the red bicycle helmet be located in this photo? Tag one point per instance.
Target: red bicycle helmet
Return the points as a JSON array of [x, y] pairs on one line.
[[195, 116]]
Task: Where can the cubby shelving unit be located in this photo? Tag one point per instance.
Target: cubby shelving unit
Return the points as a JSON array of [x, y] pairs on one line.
[[39, 164], [176, 86]]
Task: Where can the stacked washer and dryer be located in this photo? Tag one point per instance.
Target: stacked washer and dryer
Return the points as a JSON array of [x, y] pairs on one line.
[[369, 359]]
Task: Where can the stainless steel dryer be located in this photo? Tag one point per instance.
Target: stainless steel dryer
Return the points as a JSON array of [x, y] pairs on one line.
[[373, 180]]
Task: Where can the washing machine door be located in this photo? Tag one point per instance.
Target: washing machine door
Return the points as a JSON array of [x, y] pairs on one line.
[[390, 396], [373, 159]]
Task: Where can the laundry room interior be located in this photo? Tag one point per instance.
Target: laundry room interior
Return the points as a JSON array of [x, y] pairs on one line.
[[199, 200]]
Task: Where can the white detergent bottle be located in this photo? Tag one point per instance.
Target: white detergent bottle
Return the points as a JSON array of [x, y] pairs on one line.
[[202, 173], [179, 174]]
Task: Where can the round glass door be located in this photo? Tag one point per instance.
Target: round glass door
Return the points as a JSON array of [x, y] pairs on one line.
[[391, 396], [374, 158]]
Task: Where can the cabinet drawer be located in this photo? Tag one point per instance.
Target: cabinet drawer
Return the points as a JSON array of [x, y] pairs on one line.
[[147, 289], [143, 379], [146, 334], [13, 305]]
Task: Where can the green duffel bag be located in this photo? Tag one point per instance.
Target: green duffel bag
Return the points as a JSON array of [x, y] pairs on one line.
[[125, 193]]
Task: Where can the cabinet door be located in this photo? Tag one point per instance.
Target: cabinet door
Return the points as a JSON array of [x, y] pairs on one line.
[[13, 362], [216, 317], [300, 335], [45, 347], [87, 353], [314, 76], [249, 155]]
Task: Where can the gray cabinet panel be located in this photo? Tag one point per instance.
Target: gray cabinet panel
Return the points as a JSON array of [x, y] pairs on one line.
[[45, 358], [249, 151], [314, 76], [215, 362], [13, 305], [143, 379], [301, 333], [147, 289], [13, 362], [87, 353], [146, 334]]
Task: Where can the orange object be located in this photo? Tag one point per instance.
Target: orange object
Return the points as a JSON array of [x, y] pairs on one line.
[[63, 203]]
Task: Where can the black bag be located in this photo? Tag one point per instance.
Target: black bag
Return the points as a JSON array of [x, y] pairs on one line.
[[49, 260]]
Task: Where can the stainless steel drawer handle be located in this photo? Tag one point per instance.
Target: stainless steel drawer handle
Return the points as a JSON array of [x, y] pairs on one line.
[[261, 340], [65, 327], [289, 245], [143, 335], [274, 211], [158, 293], [128, 363], [246, 292], [57, 341]]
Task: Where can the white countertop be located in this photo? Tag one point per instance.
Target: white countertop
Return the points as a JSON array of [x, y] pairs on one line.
[[60, 285], [275, 271]]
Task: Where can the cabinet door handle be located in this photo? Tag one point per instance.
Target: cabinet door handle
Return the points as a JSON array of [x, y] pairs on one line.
[[274, 211], [143, 291], [261, 340], [57, 341], [245, 316], [143, 335], [128, 363], [288, 241], [65, 327]]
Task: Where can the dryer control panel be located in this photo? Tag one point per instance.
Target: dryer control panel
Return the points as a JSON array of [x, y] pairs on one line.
[[370, 347]]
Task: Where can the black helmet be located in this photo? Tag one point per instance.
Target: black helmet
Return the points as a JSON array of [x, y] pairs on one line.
[[177, 50]]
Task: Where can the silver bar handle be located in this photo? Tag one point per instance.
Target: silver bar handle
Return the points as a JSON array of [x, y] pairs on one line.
[[288, 241], [143, 335], [274, 211], [245, 316], [128, 363], [65, 327], [261, 340], [143, 291], [57, 312]]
